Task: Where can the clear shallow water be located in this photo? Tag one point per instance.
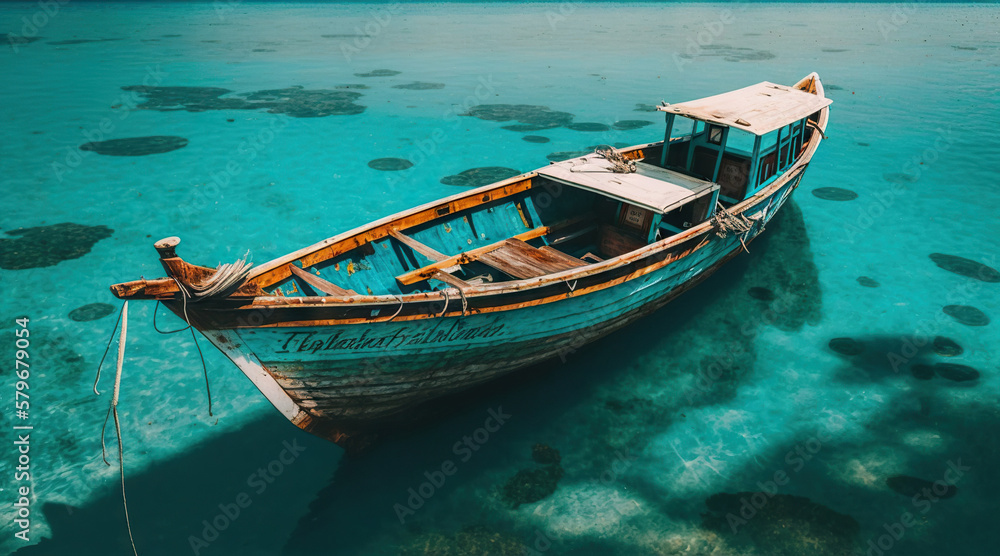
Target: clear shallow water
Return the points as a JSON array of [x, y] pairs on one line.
[[645, 438]]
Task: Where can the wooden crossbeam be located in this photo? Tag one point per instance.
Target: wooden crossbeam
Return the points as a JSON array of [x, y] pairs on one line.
[[424, 250], [451, 280], [329, 288], [467, 257]]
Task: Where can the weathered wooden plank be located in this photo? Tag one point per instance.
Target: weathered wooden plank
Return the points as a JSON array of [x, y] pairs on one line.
[[329, 288], [451, 280], [521, 260], [466, 257], [556, 254], [424, 250]]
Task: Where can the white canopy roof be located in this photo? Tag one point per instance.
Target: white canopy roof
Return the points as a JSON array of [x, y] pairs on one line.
[[759, 108], [650, 187]]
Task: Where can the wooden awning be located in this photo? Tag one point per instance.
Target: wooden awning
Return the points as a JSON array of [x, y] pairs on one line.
[[759, 109], [650, 187]]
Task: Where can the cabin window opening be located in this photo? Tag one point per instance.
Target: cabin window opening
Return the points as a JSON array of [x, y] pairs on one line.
[[740, 141], [768, 142], [715, 133], [686, 216], [683, 127]]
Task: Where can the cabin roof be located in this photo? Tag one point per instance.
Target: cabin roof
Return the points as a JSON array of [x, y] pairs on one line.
[[759, 109], [650, 187]]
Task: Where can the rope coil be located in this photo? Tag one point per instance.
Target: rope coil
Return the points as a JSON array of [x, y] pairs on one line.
[[619, 163]]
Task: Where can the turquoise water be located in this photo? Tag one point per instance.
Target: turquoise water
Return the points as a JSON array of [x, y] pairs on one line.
[[660, 427]]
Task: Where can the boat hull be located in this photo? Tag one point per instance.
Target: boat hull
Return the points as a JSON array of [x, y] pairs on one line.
[[344, 381]]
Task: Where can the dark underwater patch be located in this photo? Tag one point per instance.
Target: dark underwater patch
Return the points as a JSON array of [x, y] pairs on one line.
[[44, 246], [379, 73], [136, 146], [390, 164], [80, 41], [475, 177], [921, 371], [834, 194], [642, 107], [847, 346], [263, 50], [863, 144], [957, 47], [344, 36], [527, 114], [301, 103], [545, 454], [12, 39], [733, 53], [868, 282], [967, 315], [881, 357], [588, 126], [899, 177], [625, 125], [533, 484], [955, 372], [521, 128], [835, 50], [946, 347], [535, 139], [965, 267], [911, 486], [419, 86], [780, 524], [91, 311], [832, 87], [761, 294], [293, 101]]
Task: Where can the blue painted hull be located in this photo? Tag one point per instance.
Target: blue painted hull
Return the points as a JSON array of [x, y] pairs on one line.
[[360, 375]]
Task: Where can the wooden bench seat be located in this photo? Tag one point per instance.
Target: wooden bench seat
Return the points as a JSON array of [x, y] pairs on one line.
[[521, 260], [466, 257]]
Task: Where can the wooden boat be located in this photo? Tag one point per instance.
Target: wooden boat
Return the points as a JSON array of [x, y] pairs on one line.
[[352, 332]]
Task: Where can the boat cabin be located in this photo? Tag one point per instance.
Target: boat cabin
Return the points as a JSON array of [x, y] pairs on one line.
[[742, 140], [718, 150]]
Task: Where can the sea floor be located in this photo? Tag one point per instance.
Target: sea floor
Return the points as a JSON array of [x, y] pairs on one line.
[[804, 400]]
